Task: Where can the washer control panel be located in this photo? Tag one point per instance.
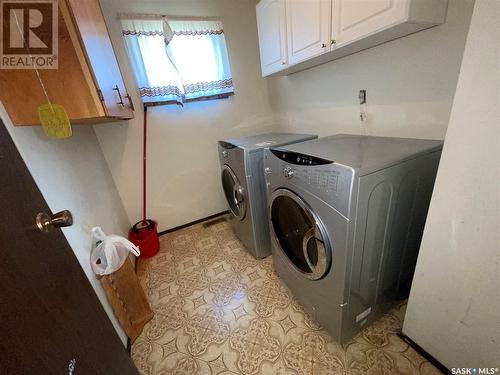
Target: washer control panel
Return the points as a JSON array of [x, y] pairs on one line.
[[328, 181], [299, 159], [288, 172], [324, 180]]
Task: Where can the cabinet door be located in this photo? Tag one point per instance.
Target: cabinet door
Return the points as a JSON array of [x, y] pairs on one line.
[[272, 35], [94, 36], [355, 19], [22, 94], [308, 28]]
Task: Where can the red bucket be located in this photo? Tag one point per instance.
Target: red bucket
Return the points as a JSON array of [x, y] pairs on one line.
[[144, 234]]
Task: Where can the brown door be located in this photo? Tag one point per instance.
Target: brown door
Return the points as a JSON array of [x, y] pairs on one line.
[[101, 57], [50, 316]]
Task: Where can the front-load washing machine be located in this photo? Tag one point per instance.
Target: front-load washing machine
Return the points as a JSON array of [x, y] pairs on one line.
[[243, 184], [347, 214]]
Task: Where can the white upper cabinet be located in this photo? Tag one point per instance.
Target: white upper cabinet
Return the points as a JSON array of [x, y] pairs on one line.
[[355, 19], [308, 28], [272, 35], [317, 31]]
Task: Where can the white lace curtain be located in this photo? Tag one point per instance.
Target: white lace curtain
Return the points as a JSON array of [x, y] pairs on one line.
[[178, 59]]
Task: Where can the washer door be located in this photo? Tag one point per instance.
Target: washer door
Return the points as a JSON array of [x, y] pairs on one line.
[[300, 234], [234, 192]]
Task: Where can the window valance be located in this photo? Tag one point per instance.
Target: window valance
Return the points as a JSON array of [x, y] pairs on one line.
[[178, 59]]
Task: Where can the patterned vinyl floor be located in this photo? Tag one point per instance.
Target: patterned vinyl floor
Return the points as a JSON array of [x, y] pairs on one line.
[[220, 311]]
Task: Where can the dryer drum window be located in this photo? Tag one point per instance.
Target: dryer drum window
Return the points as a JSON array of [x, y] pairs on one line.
[[233, 192], [298, 235]]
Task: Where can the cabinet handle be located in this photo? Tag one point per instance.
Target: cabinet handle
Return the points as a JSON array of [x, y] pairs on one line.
[[283, 63], [119, 94], [130, 102], [323, 45], [333, 41]]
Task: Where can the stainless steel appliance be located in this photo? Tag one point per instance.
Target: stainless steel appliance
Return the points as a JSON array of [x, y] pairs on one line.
[[243, 185], [347, 214]]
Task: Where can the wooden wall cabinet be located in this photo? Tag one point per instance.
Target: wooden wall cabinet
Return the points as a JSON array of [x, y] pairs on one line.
[[87, 82], [318, 31]]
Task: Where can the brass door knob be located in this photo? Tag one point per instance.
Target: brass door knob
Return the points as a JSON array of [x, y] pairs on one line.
[[333, 41], [46, 222]]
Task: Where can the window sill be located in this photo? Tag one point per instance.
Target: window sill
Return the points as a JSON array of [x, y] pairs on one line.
[[200, 99]]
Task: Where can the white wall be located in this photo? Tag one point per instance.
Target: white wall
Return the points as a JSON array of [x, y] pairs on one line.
[[410, 84], [453, 310], [72, 174], [184, 183]]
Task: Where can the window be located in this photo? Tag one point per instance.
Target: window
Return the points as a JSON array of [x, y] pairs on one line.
[[178, 60]]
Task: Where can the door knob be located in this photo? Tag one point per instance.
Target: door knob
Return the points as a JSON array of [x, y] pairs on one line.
[[46, 222]]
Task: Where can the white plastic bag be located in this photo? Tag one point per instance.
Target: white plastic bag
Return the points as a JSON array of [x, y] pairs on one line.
[[109, 252]]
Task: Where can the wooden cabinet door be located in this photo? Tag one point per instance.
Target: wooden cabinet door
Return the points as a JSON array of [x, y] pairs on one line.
[[308, 28], [94, 36], [272, 35], [355, 19], [21, 92]]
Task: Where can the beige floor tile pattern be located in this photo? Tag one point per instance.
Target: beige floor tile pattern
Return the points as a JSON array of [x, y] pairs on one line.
[[219, 311]]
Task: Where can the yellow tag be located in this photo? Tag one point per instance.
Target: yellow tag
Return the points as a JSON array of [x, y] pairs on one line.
[[55, 121]]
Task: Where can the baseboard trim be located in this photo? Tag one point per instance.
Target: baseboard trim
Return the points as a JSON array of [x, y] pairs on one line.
[[192, 223], [424, 354]]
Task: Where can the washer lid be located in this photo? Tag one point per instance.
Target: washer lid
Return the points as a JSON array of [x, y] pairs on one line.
[[300, 234]]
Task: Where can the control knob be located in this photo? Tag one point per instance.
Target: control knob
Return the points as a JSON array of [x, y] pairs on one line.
[[288, 172], [224, 153]]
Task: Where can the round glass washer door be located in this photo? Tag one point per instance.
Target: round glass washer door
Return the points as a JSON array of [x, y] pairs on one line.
[[234, 192], [300, 234]]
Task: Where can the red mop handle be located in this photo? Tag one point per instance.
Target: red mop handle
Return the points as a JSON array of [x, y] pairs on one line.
[[144, 162]]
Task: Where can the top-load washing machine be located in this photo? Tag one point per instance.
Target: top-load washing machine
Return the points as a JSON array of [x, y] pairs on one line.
[[347, 214], [244, 187]]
